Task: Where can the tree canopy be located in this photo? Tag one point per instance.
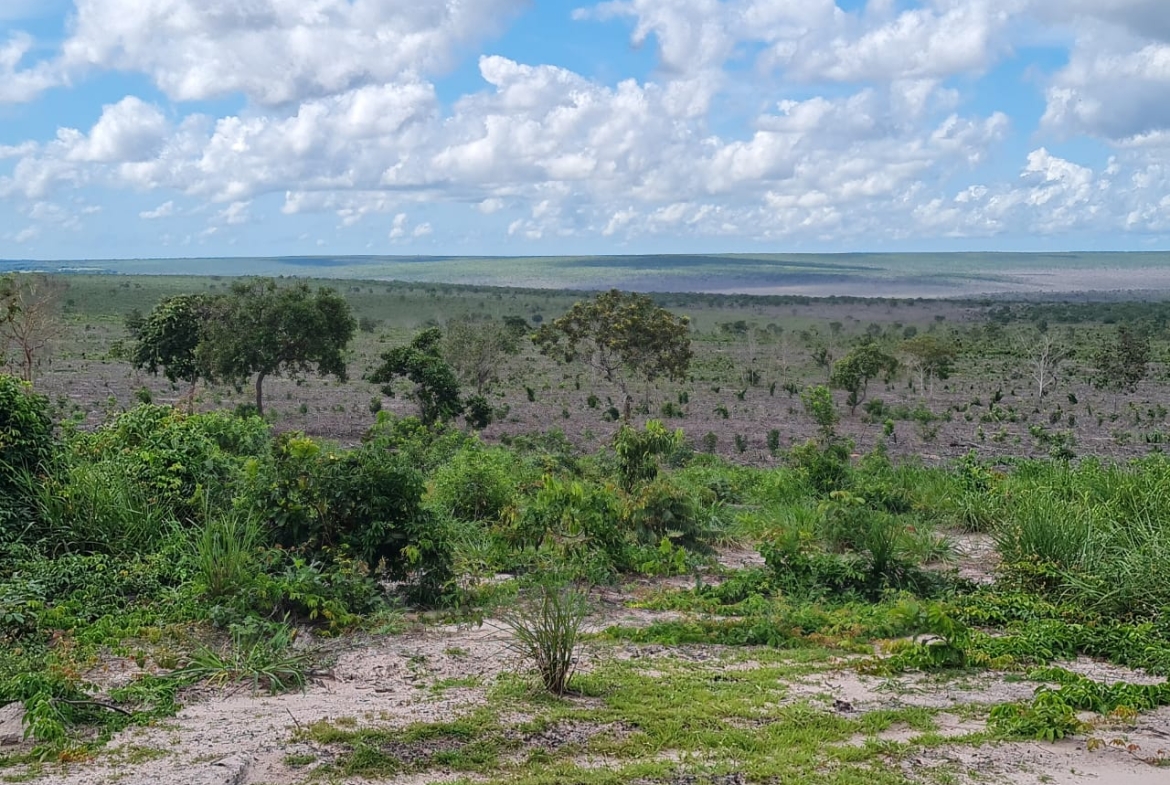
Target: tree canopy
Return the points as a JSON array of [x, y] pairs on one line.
[[853, 372], [168, 338], [619, 334], [436, 389], [260, 329]]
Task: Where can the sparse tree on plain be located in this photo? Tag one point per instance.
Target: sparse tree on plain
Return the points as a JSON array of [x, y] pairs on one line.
[[260, 329], [1122, 364], [436, 389], [928, 357], [619, 335], [168, 339], [30, 318], [854, 371], [476, 348]]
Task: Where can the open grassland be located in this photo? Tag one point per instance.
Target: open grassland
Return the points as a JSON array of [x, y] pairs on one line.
[[963, 582], [858, 274]]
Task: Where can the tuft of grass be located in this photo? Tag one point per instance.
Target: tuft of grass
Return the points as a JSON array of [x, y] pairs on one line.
[[546, 630], [262, 657], [224, 553]]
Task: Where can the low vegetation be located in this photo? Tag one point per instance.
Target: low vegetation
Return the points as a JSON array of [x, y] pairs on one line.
[[212, 548]]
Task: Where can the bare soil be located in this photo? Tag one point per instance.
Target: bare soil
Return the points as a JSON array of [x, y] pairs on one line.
[[231, 737]]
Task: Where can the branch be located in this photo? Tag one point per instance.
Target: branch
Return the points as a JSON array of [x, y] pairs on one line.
[[98, 704]]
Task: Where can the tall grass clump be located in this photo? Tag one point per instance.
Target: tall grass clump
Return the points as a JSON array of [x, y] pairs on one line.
[[546, 630], [95, 508], [225, 552], [1098, 535]]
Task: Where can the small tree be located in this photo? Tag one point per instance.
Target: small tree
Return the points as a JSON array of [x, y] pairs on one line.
[[620, 334], [476, 347], [853, 372], [436, 389], [30, 317], [1121, 365], [1044, 356], [928, 357], [260, 329], [168, 338], [818, 402]]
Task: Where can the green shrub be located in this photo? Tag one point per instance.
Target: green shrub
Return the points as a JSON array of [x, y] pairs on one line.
[[546, 630], [825, 469], [225, 553], [177, 462], [27, 449], [99, 508], [477, 484], [366, 502]]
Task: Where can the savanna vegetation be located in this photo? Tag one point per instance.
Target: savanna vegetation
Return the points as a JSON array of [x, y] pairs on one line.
[[205, 542]]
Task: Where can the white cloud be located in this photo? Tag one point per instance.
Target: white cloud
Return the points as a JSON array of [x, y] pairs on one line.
[[235, 214], [128, 131], [765, 119], [276, 51], [164, 210], [20, 84]]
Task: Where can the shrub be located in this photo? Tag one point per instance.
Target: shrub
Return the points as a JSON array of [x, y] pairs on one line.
[[366, 502], [176, 462], [27, 449], [225, 553], [477, 484]]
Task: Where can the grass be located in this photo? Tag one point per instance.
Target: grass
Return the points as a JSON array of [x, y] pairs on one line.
[[650, 721]]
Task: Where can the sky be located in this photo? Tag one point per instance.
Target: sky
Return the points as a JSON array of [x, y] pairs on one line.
[[194, 128]]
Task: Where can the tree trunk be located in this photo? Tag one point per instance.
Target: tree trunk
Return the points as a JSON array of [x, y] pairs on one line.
[[191, 397], [260, 393]]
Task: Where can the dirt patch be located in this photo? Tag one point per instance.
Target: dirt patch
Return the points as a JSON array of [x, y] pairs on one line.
[[854, 692]]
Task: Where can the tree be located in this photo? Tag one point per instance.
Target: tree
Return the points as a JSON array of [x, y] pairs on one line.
[[168, 338], [1121, 365], [929, 357], [853, 372], [618, 334], [476, 347], [30, 317], [265, 330], [436, 389], [1044, 356]]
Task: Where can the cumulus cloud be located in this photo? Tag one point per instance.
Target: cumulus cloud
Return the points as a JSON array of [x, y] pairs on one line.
[[275, 51], [848, 125]]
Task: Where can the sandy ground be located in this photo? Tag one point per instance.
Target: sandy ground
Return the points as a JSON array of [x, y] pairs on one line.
[[234, 738]]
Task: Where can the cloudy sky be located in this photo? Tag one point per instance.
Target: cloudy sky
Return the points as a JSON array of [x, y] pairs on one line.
[[133, 128]]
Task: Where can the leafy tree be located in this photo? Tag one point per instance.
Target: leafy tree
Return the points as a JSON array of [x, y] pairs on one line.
[[1121, 365], [168, 338], [853, 372], [436, 388], [618, 334], [476, 347], [264, 330], [929, 357]]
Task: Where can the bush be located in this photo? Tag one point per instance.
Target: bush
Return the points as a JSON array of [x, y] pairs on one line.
[[366, 502], [827, 469], [177, 462], [477, 484], [27, 449], [546, 630]]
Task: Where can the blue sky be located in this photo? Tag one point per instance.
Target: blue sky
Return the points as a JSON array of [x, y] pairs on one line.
[[158, 128]]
